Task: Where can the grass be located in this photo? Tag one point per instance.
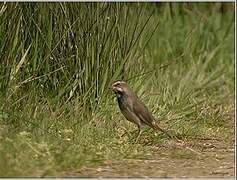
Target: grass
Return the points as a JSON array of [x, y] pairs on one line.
[[58, 60]]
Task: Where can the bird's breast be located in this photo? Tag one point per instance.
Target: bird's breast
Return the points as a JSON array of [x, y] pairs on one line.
[[125, 103]]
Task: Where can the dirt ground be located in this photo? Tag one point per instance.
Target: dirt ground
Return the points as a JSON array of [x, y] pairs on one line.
[[215, 158]]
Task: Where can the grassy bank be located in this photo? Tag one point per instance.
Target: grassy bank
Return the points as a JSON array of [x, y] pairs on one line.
[[58, 60]]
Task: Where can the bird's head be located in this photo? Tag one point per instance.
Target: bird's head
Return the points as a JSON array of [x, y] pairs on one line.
[[120, 87]]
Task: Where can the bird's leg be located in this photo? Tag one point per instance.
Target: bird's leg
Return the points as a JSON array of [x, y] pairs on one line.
[[139, 133]]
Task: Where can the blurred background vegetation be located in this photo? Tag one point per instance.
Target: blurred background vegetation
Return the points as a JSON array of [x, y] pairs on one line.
[[58, 60]]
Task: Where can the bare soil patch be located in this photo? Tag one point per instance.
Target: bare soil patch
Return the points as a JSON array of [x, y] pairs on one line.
[[216, 159]]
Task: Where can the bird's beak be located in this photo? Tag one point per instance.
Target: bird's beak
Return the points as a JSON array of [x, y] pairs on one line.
[[111, 88]]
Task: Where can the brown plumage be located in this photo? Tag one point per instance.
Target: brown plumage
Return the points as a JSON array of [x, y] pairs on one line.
[[133, 109]]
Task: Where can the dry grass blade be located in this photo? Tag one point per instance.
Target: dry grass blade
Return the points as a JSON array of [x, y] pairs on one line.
[[19, 65]]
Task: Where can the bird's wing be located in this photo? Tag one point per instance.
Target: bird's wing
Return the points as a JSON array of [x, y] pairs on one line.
[[143, 113], [127, 111], [146, 117]]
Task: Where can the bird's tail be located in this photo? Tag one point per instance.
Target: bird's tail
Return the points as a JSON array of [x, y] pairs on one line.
[[157, 127], [180, 142]]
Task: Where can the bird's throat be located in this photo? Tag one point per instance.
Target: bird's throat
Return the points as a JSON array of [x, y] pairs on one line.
[[120, 100]]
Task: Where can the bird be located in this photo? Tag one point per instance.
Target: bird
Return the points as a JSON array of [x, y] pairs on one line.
[[133, 109]]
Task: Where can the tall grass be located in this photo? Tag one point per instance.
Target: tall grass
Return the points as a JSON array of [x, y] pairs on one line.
[[58, 60]]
